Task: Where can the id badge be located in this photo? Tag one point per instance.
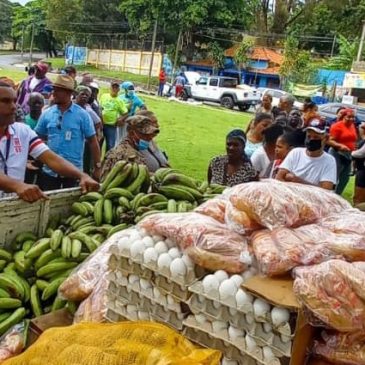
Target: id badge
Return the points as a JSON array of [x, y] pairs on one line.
[[68, 136]]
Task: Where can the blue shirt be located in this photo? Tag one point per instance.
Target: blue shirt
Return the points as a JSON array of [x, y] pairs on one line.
[[66, 133], [135, 100]]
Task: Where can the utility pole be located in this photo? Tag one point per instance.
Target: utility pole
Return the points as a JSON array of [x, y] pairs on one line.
[[361, 46], [333, 45], [152, 52], [31, 46], [22, 49], [176, 55]]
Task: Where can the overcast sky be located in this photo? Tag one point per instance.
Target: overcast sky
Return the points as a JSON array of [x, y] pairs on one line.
[[20, 1]]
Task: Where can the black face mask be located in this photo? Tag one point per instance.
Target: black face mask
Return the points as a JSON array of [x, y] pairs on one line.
[[313, 144]]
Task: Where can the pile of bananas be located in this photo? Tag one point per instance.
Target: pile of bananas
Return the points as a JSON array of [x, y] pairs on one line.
[[34, 269]]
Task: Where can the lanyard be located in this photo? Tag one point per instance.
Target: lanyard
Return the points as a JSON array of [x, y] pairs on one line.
[[7, 151]]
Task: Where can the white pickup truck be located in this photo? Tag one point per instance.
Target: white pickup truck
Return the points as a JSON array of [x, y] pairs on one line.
[[223, 90]]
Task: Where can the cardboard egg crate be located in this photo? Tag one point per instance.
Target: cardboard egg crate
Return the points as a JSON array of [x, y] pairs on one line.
[[114, 317]]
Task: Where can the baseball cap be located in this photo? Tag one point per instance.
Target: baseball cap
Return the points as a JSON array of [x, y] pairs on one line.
[[142, 124], [94, 85], [43, 67], [114, 83], [317, 125]]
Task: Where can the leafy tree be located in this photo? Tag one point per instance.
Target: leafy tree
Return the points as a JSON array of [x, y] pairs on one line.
[[241, 55], [6, 9], [216, 54]]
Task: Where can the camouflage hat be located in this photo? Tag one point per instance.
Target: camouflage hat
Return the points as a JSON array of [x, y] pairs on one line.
[[141, 124]]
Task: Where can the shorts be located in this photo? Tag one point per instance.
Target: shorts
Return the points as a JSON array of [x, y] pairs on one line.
[[360, 179]]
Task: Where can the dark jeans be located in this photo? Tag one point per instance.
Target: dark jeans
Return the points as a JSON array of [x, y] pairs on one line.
[[160, 88], [47, 182], [343, 170], [110, 134]]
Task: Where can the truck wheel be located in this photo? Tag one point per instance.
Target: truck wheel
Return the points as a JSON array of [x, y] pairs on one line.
[[244, 107], [184, 95], [227, 102]]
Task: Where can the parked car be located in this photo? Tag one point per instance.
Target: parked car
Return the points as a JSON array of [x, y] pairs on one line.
[[276, 95], [190, 77], [223, 90], [328, 111]]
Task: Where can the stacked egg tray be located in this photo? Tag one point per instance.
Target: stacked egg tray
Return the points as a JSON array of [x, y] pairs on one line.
[[248, 333]]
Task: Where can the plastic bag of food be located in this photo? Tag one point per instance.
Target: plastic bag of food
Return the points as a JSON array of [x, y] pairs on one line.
[[239, 221], [203, 238], [84, 278], [334, 292], [274, 204], [215, 208], [94, 307], [341, 348], [349, 221]]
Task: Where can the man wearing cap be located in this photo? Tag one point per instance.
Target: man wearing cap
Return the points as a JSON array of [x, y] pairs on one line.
[[310, 165], [17, 141], [114, 113], [140, 132], [66, 126], [35, 83]]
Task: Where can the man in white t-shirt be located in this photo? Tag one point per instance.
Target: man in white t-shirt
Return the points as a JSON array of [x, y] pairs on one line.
[[310, 165]]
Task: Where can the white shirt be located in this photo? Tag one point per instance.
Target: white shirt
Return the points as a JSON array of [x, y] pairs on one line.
[[94, 117], [311, 169], [33, 83], [23, 142], [260, 161]]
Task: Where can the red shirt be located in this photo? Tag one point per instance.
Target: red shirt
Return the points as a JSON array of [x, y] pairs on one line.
[[162, 76], [344, 134]]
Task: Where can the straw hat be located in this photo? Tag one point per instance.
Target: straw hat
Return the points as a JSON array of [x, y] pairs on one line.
[[65, 82]]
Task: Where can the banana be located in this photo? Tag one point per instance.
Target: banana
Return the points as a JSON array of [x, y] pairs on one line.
[[149, 199], [121, 177], [46, 257], [41, 284], [12, 285], [118, 212], [84, 226], [58, 303], [71, 307], [158, 206], [75, 220], [13, 319], [99, 237], [89, 207], [49, 232], [76, 248], [139, 218], [70, 218], [83, 256], [179, 179], [98, 212], [10, 303], [10, 266], [182, 207], [90, 243], [52, 288], [132, 175], [56, 239], [217, 189], [135, 186], [146, 183], [39, 247], [136, 200], [90, 197], [5, 255], [124, 202], [35, 301], [87, 229], [66, 247], [27, 245], [23, 282], [82, 222], [117, 169], [194, 192], [160, 174], [4, 316], [108, 211], [25, 236], [79, 208], [117, 193], [203, 186], [53, 268], [119, 227], [142, 210], [21, 263], [59, 274], [176, 193], [4, 293], [172, 206], [3, 263]]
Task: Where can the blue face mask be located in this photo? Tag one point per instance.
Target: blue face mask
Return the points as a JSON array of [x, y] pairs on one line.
[[130, 92], [143, 145]]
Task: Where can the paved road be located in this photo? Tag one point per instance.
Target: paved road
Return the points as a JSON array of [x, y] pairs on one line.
[[14, 61]]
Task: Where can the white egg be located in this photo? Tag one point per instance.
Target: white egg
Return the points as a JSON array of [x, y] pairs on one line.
[[267, 327], [174, 252], [131, 308], [170, 243], [268, 354], [132, 279], [143, 232], [232, 311], [170, 299], [143, 316], [216, 304], [178, 268], [124, 243], [242, 298], [235, 332], [145, 284], [148, 241], [219, 326], [137, 248], [157, 293], [200, 318], [157, 238], [260, 308], [201, 298], [164, 261], [227, 289], [250, 319], [210, 283], [150, 255], [221, 275], [135, 236], [247, 275], [279, 316], [187, 261], [237, 279], [226, 361], [161, 247], [251, 344], [123, 281]]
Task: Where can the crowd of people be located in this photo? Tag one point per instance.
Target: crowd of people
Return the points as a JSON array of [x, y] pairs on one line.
[[52, 135]]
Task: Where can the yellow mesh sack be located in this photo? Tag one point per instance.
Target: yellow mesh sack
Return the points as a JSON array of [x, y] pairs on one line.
[[124, 343]]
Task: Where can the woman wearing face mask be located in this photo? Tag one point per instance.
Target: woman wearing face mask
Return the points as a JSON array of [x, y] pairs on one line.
[[235, 167], [134, 148], [130, 97]]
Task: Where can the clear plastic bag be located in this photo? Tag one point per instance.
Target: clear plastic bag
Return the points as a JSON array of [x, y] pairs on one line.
[[274, 204], [84, 278], [334, 293], [202, 237], [215, 208], [349, 221], [239, 221], [341, 348], [14, 341]]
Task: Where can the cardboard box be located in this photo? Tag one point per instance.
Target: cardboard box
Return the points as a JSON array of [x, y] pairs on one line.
[[279, 292]]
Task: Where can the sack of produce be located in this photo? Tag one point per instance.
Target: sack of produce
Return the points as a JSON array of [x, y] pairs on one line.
[[273, 204], [341, 348], [208, 243], [239, 221], [334, 292], [282, 249], [349, 221], [215, 208], [84, 278]]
